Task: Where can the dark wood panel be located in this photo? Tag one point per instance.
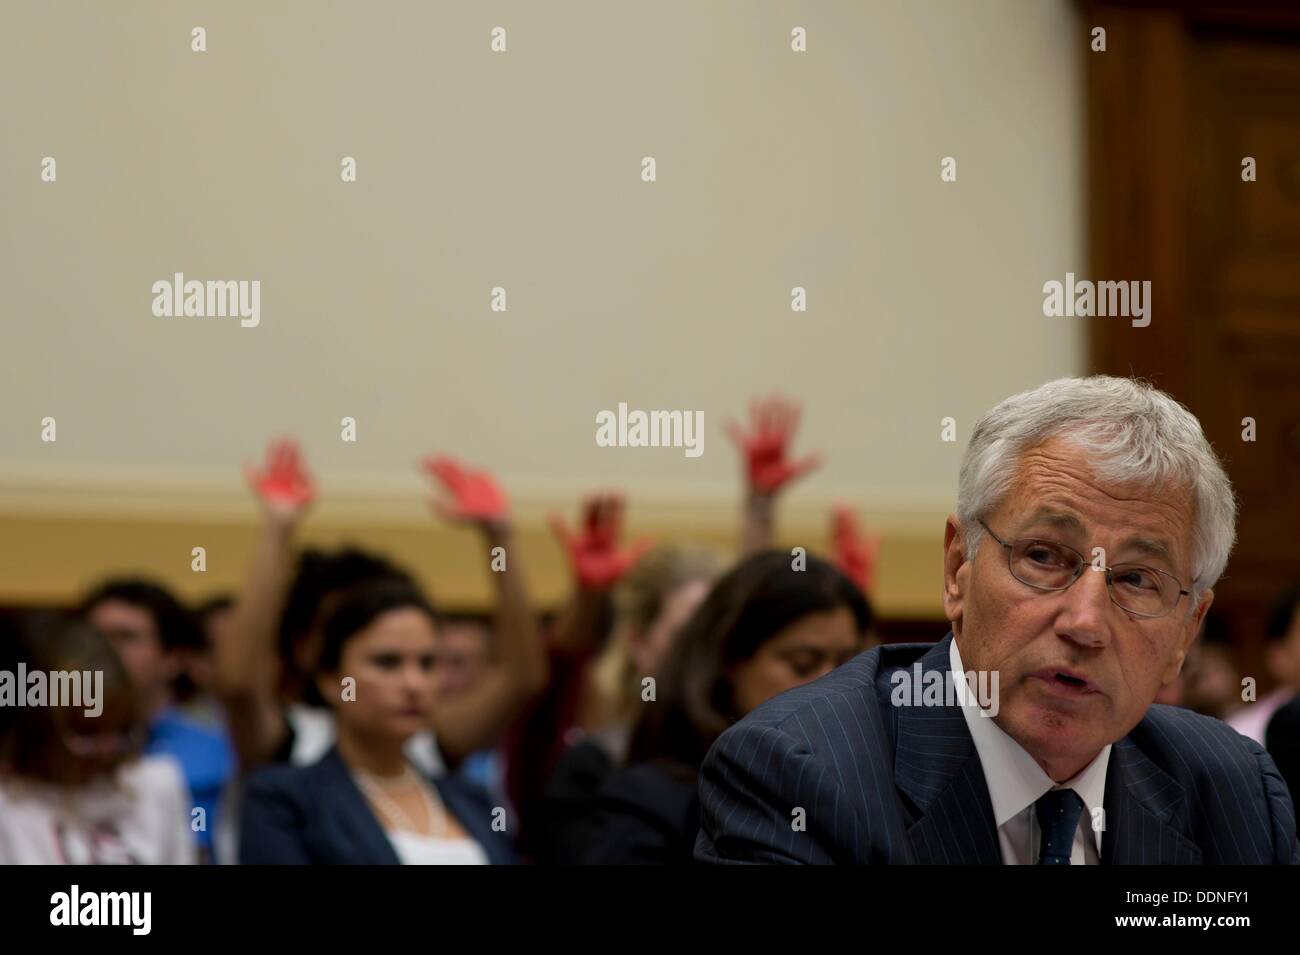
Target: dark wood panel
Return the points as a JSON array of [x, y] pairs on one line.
[[1182, 94]]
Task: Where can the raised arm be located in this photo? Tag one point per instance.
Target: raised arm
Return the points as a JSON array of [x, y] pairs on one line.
[[765, 449], [597, 564], [476, 718], [246, 660]]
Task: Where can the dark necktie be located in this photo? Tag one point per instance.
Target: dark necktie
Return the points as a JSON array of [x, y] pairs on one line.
[[1058, 818]]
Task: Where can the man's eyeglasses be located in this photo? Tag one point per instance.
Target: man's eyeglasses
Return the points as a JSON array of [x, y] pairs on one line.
[[1049, 565]]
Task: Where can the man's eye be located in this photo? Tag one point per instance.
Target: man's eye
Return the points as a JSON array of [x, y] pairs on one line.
[[1047, 556], [1137, 578], [386, 661]]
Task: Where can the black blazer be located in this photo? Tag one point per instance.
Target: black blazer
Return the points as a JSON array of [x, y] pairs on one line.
[[646, 814], [903, 784], [1282, 740], [301, 815], [563, 826]]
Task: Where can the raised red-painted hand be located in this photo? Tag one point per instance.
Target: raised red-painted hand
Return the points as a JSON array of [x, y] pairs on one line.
[[594, 555], [854, 552], [766, 446], [470, 495], [284, 484]]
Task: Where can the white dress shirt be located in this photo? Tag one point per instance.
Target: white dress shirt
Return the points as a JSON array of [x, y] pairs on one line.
[[1016, 781]]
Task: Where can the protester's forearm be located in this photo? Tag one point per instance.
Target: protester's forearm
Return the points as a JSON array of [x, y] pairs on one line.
[[245, 659], [519, 650], [579, 627], [476, 718], [758, 523]]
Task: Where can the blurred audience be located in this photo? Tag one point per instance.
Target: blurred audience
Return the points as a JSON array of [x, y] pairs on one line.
[[154, 636], [1210, 681], [767, 626], [275, 630], [75, 788], [1282, 740], [1282, 660], [650, 604], [348, 723], [464, 659], [197, 694], [364, 801]]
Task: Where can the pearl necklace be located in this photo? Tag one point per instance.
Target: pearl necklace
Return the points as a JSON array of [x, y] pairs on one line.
[[377, 789]]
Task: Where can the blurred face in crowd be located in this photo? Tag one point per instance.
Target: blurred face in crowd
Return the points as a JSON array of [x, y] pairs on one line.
[[134, 635], [809, 648], [65, 745], [198, 661], [1076, 672], [462, 657], [93, 747], [392, 662], [649, 647], [1213, 685], [1283, 656]]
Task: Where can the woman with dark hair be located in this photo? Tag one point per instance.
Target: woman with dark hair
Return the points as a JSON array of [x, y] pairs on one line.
[[769, 625], [365, 802], [73, 785], [264, 659]]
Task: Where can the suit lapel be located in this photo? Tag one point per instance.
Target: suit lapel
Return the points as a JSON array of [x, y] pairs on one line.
[[362, 841], [1145, 815], [938, 769]]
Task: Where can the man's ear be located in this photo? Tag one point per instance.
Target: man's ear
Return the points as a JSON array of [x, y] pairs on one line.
[[956, 572], [1187, 637]]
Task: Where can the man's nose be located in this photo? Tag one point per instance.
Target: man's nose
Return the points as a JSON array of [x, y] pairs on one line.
[[1087, 604]]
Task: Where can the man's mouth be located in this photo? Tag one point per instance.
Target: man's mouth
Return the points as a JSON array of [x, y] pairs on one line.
[[1068, 682]]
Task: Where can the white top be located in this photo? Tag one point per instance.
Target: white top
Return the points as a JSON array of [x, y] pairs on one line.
[[142, 816], [415, 849], [1016, 781]]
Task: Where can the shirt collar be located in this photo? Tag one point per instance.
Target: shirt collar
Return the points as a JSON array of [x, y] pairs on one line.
[[1014, 779]]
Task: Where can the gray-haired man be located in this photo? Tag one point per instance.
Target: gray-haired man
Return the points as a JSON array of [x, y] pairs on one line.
[[1093, 520]]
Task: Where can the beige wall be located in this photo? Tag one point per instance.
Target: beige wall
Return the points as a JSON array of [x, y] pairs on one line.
[[521, 169]]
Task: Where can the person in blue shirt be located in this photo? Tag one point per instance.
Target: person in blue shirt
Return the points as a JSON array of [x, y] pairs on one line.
[[152, 632]]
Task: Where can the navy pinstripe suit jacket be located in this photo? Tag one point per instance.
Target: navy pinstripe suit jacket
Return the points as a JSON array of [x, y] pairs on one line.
[[903, 784]]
